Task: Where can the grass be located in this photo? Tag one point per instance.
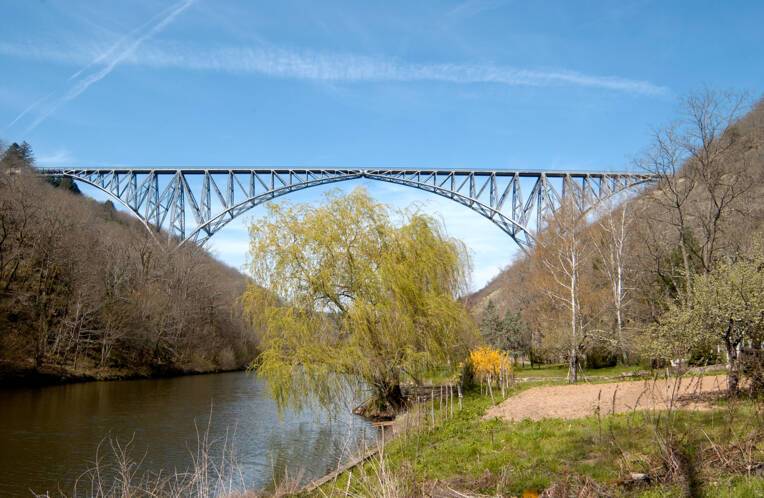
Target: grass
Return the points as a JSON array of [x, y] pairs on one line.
[[497, 457], [561, 371], [552, 372]]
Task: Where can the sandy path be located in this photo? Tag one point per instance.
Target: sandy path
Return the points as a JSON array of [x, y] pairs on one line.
[[581, 400]]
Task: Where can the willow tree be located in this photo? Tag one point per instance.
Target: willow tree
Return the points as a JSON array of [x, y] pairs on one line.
[[345, 294]]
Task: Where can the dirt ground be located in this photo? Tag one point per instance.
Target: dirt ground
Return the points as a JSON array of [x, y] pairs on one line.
[[582, 400]]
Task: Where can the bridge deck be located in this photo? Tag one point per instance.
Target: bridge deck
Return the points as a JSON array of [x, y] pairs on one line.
[[205, 199]]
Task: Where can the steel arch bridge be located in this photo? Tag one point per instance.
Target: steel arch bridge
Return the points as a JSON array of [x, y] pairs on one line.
[[192, 204]]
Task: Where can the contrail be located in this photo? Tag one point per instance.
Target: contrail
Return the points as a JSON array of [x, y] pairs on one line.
[[27, 110], [121, 42], [131, 42]]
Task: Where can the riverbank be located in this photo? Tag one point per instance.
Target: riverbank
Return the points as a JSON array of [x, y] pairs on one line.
[[15, 375], [717, 451], [88, 294]]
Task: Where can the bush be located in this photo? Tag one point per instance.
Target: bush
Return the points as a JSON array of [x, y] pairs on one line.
[[600, 358]]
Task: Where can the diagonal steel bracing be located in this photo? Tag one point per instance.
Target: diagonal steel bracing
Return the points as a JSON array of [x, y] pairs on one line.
[[192, 204]]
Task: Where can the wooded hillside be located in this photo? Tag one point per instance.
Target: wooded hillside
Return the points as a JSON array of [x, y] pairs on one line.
[[86, 291], [629, 262]]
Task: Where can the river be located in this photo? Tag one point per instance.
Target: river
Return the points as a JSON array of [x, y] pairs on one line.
[[50, 435]]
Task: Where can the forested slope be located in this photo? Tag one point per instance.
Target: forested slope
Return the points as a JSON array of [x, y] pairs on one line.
[[707, 208], [87, 292]]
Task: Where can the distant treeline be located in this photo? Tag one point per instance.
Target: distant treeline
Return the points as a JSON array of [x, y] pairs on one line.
[[86, 291]]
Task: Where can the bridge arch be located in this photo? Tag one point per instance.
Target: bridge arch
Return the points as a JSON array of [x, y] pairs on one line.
[[169, 198], [504, 223]]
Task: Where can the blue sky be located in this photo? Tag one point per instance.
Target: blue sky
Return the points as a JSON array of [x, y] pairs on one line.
[[457, 84]]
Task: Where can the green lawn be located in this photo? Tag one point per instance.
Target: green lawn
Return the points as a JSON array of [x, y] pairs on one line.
[[493, 456], [561, 371], [558, 371]]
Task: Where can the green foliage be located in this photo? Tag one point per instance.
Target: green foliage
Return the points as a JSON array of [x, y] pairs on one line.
[[726, 308], [17, 156], [517, 332], [598, 356], [510, 333], [727, 304], [64, 183], [703, 356], [490, 325], [344, 294]]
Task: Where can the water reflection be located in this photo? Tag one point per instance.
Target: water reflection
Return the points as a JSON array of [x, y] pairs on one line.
[[49, 435]]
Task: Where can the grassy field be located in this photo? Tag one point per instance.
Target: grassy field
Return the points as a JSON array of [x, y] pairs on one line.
[[552, 372], [561, 371], [494, 457]]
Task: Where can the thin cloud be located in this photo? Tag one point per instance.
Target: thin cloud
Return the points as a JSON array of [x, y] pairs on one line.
[[127, 39], [106, 62], [470, 8], [60, 157], [281, 63], [27, 110], [353, 68]]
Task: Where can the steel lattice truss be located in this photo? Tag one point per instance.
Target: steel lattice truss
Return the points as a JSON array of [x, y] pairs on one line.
[[192, 204]]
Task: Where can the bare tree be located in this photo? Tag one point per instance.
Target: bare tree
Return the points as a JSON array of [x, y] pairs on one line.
[[701, 183], [715, 151], [665, 160], [562, 251], [610, 241], [84, 287]]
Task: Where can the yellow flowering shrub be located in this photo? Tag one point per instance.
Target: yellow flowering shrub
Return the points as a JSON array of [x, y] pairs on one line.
[[488, 363]]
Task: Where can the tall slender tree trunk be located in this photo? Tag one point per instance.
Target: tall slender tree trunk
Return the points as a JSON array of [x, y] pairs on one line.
[[687, 274], [573, 356], [619, 332], [573, 366], [733, 374], [618, 311]]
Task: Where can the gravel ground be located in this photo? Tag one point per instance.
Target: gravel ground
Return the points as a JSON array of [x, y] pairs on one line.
[[582, 400]]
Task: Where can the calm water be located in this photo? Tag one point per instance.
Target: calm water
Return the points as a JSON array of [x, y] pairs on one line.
[[49, 435]]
